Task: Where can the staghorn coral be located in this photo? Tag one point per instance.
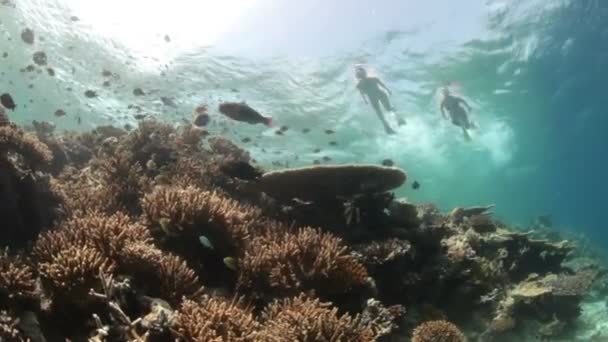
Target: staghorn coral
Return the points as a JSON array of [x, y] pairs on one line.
[[9, 331], [190, 212], [383, 320], [215, 320], [285, 263], [122, 181], [75, 270], [26, 145], [17, 280], [458, 248], [377, 253], [177, 280], [438, 331], [310, 320]]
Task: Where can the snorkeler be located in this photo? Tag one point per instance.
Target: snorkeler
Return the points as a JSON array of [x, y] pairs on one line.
[[372, 87], [458, 114]]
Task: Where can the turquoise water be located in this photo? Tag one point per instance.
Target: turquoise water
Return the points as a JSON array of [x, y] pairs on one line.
[[534, 72]]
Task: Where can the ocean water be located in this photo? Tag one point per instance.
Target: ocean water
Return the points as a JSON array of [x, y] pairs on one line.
[[534, 71]]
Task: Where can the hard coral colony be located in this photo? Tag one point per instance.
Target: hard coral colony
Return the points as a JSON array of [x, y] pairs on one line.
[[103, 233]]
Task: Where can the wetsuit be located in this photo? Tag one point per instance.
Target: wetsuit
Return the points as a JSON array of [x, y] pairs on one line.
[[370, 87], [457, 112]]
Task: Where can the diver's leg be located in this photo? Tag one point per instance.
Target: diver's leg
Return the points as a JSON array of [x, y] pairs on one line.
[[386, 102], [376, 105], [467, 137]]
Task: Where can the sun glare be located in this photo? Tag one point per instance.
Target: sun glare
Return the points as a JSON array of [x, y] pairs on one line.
[[141, 25]]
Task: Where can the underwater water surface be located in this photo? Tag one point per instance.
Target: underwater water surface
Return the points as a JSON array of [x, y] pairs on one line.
[[534, 72]]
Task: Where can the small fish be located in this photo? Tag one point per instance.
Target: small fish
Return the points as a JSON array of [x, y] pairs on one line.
[[333, 143], [30, 68], [74, 18], [231, 263], [40, 58], [388, 162], [329, 131], [167, 38], [278, 132], [167, 101], [139, 116], [106, 73], [205, 241], [4, 55], [201, 120], [27, 35], [316, 162], [60, 112], [284, 128], [138, 92], [50, 71], [326, 159], [246, 140], [90, 94], [316, 150], [106, 83], [305, 130], [242, 112], [7, 101], [415, 185]]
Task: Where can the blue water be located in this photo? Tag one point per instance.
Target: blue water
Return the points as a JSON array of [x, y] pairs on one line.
[[534, 71]]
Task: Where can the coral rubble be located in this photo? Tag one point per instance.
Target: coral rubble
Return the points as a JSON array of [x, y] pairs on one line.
[[164, 233]]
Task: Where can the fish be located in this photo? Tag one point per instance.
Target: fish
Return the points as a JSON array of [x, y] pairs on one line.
[[326, 159], [138, 92], [388, 162], [106, 73], [90, 94], [201, 120], [246, 140], [231, 263], [74, 18], [50, 71], [316, 150], [205, 241], [167, 38], [60, 112], [167, 101], [305, 130], [415, 185], [242, 112], [333, 143], [27, 35], [284, 128], [329, 131], [7, 101], [40, 58]]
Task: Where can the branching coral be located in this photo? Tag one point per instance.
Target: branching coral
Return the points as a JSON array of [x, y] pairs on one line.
[[309, 320], [75, 270], [191, 212], [177, 280], [379, 253], [438, 331], [28, 146], [8, 329], [17, 279], [288, 263], [122, 181], [458, 248], [215, 320]]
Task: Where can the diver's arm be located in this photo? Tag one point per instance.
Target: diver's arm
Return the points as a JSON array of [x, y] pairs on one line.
[[363, 96], [461, 100], [443, 110], [384, 86]]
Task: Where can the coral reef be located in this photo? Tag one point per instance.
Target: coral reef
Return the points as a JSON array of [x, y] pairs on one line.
[[166, 233], [438, 331]]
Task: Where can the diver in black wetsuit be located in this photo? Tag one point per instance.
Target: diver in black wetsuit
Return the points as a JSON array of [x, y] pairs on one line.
[[371, 86], [458, 114]]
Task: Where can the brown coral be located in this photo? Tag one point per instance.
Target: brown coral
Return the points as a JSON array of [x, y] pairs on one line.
[[310, 320], [215, 320], [8, 328], [28, 146], [177, 280], [289, 263], [75, 270], [123, 181], [191, 212], [438, 331], [109, 234], [16, 278]]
